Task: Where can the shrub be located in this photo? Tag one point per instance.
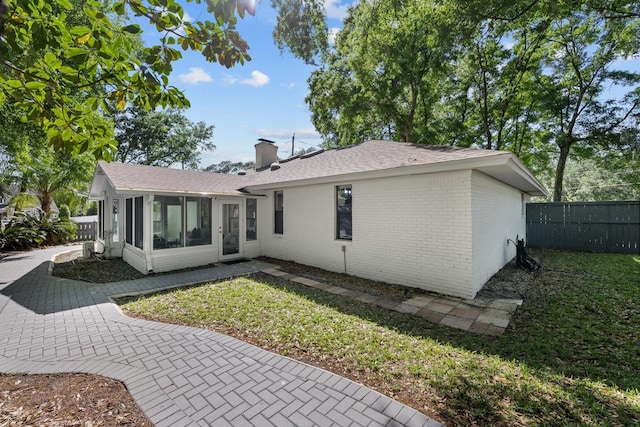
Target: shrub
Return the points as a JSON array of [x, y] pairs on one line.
[[21, 234], [29, 231], [56, 230], [93, 208], [65, 213]]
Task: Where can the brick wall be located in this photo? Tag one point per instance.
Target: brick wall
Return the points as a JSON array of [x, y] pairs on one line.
[[498, 215], [412, 230]]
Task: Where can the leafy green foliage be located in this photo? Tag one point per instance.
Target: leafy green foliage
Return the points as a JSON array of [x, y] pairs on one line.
[[26, 231], [92, 209], [64, 212], [65, 63], [380, 81], [160, 138], [229, 167], [21, 233], [301, 28], [33, 163], [57, 230], [528, 77]]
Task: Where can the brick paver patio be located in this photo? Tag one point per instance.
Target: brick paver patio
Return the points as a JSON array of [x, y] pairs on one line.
[[179, 376]]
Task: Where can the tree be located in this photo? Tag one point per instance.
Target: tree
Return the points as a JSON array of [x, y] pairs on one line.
[[573, 108], [586, 180], [160, 138], [381, 78], [580, 115], [66, 77], [229, 167], [43, 173], [528, 77]]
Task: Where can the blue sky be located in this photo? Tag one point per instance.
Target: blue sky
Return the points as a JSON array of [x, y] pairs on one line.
[[264, 98]]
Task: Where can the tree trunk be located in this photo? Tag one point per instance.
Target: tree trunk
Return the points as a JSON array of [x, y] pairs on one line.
[[562, 162], [45, 201]]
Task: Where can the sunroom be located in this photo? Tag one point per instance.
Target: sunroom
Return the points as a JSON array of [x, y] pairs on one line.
[[197, 220]]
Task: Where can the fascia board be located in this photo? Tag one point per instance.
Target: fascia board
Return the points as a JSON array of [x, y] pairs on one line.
[[516, 165], [99, 177], [140, 191]]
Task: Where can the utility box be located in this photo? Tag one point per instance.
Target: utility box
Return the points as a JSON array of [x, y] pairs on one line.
[[87, 250]]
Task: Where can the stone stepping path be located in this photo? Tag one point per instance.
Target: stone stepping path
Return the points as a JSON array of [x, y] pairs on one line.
[[480, 315]]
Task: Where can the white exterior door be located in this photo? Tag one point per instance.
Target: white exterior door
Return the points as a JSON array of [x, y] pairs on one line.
[[229, 230]]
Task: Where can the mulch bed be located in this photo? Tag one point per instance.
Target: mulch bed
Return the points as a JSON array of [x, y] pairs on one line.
[[66, 400]]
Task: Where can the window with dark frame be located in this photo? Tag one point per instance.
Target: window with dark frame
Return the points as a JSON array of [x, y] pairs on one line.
[[343, 212], [252, 219], [278, 197]]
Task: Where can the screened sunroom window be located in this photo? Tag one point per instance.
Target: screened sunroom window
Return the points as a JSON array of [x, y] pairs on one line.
[[167, 222], [138, 214], [101, 219], [343, 212], [198, 221], [180, 221], [128, 223]]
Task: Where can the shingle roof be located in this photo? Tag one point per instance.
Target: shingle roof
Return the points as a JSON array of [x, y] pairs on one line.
[[363, 157], [143, 178]]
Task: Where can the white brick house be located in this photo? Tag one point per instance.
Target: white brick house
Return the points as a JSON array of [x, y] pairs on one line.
[[436, 218]]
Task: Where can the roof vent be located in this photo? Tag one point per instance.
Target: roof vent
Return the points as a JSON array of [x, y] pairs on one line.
[[311, 154], [275, 166], [242, 173]]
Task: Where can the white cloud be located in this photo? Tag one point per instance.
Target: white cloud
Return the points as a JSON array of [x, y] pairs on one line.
[[333, 33], [301, 133], [257, 79], [335, 9], [186, 17], [195, 75], [230, 80], [508, 44]]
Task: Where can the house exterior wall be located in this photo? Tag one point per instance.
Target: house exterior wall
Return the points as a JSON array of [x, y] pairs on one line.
[[411, 230], [135, 258], [174, 259], [498, 215]]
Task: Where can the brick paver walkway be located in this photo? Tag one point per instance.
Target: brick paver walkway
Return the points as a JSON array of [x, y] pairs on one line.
[[180, 376]]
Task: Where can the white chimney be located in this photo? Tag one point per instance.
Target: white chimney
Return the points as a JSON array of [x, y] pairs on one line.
[[266, 153]]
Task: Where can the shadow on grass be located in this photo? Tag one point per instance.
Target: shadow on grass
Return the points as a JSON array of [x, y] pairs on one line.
[[567, 357], [579, 336]]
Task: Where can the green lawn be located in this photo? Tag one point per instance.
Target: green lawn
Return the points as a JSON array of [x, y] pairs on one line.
[[570, 356]]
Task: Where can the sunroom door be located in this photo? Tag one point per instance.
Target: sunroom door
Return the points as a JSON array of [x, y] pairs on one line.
[[229, 230]]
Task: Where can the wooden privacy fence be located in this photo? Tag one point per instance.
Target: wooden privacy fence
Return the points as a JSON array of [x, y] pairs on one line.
[[86, 231], [585, 226]]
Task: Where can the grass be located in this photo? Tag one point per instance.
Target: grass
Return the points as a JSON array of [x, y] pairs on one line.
[[570, 356]]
